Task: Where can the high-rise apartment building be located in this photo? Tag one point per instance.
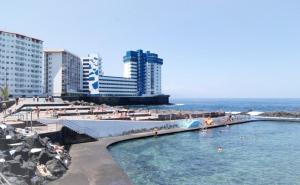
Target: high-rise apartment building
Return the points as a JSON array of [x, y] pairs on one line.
[[21, 64], [62, 72], [146, 69]]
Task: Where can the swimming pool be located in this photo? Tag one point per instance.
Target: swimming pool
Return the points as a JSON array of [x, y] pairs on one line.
[[253, 153]]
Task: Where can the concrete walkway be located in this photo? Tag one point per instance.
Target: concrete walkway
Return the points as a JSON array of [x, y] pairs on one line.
[[92, 164]]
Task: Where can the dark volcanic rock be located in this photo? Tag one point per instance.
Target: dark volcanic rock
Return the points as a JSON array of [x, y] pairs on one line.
[[15, 167], [19, 165], [37, 180], [17, 180], [56, 167], [45, 156], [29, 167], [281, 114], [33, 142], [44, 141]]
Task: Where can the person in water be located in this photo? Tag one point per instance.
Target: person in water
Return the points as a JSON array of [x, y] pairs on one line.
[[155, 132], [220, 149]]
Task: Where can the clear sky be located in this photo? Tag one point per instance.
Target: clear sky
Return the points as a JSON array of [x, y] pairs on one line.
[[211, 48]]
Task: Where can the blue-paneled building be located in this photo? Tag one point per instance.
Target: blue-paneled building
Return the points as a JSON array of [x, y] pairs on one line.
[[146, 69]]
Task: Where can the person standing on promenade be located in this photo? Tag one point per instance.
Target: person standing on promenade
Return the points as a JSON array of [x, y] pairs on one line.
[[4, 108], [38, 112], [17, 100]]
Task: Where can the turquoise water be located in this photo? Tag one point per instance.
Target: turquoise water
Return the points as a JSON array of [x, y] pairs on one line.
[[253, 153]]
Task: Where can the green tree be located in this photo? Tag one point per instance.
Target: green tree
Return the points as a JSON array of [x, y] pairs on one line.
[[4, 93]]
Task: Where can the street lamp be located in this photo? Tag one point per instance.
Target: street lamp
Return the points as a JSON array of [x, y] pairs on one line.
[[30, 110]]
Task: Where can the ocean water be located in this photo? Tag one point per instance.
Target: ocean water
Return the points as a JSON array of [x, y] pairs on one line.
[[231, 105], [261, 153]]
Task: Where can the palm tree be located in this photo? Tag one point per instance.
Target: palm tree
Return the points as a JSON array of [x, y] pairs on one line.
[[4, 92]]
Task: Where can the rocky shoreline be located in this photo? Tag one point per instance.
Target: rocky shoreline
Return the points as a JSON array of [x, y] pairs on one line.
[[28, 159], [176, 115], [281, 114]]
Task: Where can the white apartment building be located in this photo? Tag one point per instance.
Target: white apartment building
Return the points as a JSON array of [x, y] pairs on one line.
[[91, 70], [21, 64], [153, 78], [62, 72], [117, 86]]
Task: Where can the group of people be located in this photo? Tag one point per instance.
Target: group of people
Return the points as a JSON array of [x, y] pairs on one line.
[[47, 99], [35, 98], [208, 121]]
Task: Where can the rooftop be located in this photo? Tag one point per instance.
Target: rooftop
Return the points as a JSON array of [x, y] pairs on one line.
[[20, 35], [60, 50]]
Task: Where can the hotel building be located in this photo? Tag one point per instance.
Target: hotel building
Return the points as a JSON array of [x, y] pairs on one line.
[[95, 83], [146, 69], [62, 72], [91, 71], [21, 64], [142, 76], [117, 86]]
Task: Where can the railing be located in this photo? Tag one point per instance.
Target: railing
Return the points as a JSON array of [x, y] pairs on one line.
[[17, 116], [3, 180], [79, 129]]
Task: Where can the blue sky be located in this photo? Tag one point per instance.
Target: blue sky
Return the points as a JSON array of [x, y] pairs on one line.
[[212, 48]]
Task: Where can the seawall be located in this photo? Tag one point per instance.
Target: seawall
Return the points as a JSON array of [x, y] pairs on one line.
[[122, 100]]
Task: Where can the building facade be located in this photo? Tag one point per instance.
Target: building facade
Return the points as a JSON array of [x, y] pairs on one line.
[[91, 71], [21, 64], [146, 69], [117, 86], [62, 72], [95, 83]]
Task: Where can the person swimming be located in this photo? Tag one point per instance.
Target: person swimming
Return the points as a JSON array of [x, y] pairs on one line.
[[220, 149], [155, 132]]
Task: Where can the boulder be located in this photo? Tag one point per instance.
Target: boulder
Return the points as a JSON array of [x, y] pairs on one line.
[[37, 180], [3, 144], [4, 167], [33, 141], [17, 180], [25, 154], [15, 167], [45, 156], [56, 167], [18, 158], [44, 141], [29, 168]]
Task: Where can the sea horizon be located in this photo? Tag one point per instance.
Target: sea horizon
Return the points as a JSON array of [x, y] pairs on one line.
[[232, 104]]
